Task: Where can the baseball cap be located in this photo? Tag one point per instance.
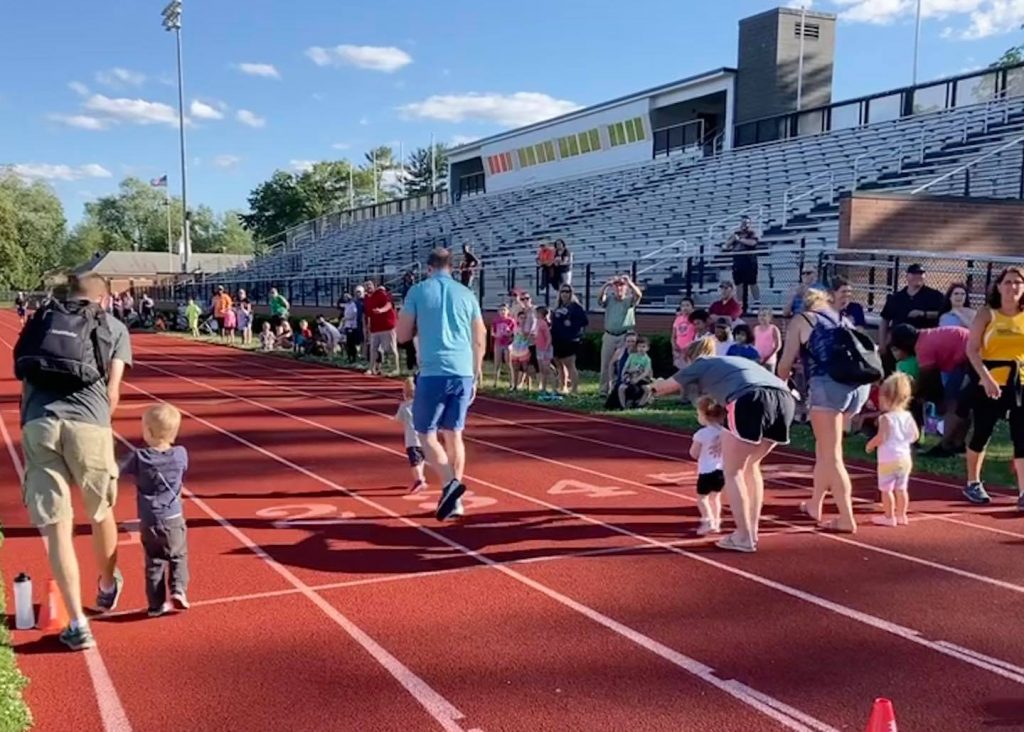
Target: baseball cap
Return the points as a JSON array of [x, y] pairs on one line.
[[915, 269]]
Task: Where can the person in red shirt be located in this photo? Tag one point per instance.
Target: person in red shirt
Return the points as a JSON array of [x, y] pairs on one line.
[[727, 305], [381, 319], [944, 371]]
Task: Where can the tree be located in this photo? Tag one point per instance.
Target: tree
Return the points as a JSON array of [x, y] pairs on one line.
[[274, 206], [1011, 56], [32, 231], [134, 218], [421, 171]]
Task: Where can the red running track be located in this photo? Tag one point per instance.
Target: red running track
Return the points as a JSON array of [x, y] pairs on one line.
[[574, 595]]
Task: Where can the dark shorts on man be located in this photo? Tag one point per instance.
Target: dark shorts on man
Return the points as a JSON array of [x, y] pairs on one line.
[[566, 349], [220, 324], [441, 403], [276, 321], [415, 455], [712, 482], [763, 413], [744, 269]]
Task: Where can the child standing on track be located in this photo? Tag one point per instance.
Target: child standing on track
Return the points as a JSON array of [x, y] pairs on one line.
[[503, 329], [519, 354], [706, 449], [159, 471], [413, 448], [192, 313], [545, 354], [897, 431]]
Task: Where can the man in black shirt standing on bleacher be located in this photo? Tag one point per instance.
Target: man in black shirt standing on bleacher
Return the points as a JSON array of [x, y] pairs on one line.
[[743, 242], [916, 304]]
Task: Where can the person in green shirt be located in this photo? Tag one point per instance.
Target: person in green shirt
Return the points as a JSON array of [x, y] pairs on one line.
[[192, 313], [910, 367], [278, 310], [619, 298]]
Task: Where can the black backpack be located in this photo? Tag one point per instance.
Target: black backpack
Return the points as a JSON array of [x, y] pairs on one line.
[[65, 346], [853, 358]]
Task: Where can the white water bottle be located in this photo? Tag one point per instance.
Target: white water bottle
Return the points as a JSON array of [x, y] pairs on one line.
[[24, 612]]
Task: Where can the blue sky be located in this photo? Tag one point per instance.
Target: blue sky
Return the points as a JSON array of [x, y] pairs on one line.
[[87, 96]]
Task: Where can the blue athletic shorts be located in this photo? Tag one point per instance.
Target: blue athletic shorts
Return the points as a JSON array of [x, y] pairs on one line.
[[441, 402]]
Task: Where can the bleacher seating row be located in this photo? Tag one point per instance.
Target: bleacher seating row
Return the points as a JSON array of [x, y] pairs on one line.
[[662, 212]]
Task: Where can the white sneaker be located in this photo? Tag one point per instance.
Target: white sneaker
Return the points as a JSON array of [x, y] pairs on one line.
[[705, 528], [459, 511], [883, 521]]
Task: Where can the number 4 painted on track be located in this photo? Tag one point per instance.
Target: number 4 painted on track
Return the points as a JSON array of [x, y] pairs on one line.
[[569, 486]]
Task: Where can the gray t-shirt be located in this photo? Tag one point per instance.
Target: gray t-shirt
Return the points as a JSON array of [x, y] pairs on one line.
[[726, 378], [89, 405]]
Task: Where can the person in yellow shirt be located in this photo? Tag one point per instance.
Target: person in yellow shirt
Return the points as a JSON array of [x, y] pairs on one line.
[[995, 349]]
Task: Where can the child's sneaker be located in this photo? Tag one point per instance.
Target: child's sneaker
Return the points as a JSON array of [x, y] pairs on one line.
[[458, 511], [902, 520], [419, 485], [106, 600], [180, 601], [156, 612], [705, 528], [883, 521], [77, 637], [976, 493]]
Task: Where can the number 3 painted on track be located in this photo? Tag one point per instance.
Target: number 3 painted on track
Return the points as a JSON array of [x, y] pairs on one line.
[[304, 514], [566, 487], [470, 500]]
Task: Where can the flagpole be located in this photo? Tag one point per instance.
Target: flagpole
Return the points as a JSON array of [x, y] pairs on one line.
[[401, 166], [167, 203], [917, 41], [351, 189], [376, 188], [800, 63]]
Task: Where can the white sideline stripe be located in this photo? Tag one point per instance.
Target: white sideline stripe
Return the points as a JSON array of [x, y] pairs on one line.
[[1002, 584], [1017, 676], [436, 705], [780, 712], [111, 710]]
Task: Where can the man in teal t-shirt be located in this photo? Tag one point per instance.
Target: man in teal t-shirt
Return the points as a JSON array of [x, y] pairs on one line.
[[446, 318]]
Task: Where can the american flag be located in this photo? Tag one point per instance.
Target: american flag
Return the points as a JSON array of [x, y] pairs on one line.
[[160, 182]]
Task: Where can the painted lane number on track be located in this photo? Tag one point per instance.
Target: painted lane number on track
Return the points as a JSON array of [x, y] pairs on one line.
[[578, 487], [470, 500], [297, 515]]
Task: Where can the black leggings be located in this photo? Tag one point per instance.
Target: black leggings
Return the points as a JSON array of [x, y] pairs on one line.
[[988, 412]]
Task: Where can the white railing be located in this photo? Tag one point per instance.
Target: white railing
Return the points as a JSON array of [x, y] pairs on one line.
[[969, 164], [788, 197]]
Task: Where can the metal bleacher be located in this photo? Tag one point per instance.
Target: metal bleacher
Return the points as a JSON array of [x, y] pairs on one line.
[[661, 214]]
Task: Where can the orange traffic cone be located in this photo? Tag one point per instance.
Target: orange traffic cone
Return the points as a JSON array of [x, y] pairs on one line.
[[883, 718], [53, 616]]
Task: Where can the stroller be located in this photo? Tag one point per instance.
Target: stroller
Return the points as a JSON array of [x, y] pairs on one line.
[[209, 324]]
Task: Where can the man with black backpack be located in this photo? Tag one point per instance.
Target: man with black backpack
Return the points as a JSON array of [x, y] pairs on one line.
[[70, 358]]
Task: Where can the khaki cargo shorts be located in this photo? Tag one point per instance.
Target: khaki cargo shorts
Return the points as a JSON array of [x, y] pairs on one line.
[[59, 453]]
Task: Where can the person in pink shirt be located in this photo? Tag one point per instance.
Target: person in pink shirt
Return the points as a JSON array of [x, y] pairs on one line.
[[944, 375], [545, 354], [683, 331], [726, 306], [767, 339], [503, 329]]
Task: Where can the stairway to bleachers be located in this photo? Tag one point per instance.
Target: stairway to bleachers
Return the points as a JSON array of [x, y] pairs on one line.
[[664, 212]]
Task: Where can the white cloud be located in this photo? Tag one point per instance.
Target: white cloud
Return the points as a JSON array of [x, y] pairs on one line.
[[971, 19], [81, 121], [513, 110], [463, 139], [301, 166], [797, 4], [250, 118], [226, 161], [78, 88], [58, 172], [134, 111], [267, 71], [202, 110], [341, 146], [119, 77], [375, 58]]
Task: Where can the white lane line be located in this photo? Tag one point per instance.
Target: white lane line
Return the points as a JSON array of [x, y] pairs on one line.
[[442, 710], [789, 717], [966, 574], [111, 710], [914, 636]]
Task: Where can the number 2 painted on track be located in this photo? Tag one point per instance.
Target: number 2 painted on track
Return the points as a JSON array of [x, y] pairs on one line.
[[566, 487], [294, 515]]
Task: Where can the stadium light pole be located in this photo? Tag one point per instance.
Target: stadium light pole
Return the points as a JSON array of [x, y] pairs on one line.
[[800, 61], [917, 43], [172, 22]]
